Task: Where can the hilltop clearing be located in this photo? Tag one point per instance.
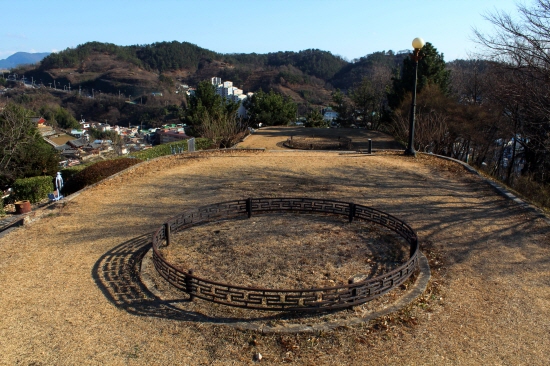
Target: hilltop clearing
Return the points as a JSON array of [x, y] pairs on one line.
[[67, 297], [271, 138]]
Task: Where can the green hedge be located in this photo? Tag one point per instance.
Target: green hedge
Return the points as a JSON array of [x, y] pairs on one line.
[[34, 189], [166, 149], [97, 172], [67, 173]]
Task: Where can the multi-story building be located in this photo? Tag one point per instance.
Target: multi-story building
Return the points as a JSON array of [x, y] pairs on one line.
[[228, 91]]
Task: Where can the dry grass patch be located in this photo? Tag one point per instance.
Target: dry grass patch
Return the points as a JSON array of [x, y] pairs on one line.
[[286, 251], [488, 306]]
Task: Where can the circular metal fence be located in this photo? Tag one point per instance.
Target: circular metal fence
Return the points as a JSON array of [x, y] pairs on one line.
[[319, 143], [312, 299]]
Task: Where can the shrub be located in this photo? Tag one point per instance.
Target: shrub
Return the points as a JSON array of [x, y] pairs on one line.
[[2, 212], [68, 173], [97, 172], [33, 189], [534, 191], [166, 149]]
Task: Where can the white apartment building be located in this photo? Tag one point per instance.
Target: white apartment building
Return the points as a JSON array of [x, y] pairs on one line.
[[228, 91], [216, 81]]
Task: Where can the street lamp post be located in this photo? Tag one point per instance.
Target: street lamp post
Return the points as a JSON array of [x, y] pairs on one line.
[[417, 44]]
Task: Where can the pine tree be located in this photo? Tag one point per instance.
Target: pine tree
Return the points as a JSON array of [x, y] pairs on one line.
[[431, 70]]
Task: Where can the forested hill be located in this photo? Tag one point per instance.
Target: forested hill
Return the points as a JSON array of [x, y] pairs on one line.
[[167, 56], [308, 77], [160, 56]]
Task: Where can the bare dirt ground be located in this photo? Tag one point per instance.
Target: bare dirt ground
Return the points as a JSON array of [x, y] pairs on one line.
[[67, 297], [271, 138], [287, 251]]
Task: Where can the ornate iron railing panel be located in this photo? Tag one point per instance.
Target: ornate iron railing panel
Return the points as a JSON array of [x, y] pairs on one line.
[[314, 299]]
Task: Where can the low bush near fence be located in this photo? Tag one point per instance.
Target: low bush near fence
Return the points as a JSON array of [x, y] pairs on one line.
[[33, 189], [166, 149], [536, 192], [97, 172], [68, 173]]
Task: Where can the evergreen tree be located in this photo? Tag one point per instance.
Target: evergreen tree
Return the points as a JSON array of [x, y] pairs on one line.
[[315, 119], [342, 107], [65, 120], [207, 101], [270, 109], [23, 151], [431, 70], [213, 116]]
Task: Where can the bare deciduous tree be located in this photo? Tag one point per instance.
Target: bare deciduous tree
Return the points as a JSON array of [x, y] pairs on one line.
[[223, 129], [521, 52]]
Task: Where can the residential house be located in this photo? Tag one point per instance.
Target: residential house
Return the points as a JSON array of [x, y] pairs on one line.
[[103, 127], [78, 133], [78, 143], [84, 125], [38, 120], [329, 115], [171, 135]]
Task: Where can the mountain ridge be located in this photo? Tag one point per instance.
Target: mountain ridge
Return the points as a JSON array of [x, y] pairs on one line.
[[22, 58]]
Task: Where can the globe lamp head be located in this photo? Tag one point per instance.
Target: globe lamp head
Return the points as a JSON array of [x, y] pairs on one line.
[[418, 43]]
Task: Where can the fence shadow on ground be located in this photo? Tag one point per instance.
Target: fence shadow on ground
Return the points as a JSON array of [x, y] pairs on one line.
[[116, 273]]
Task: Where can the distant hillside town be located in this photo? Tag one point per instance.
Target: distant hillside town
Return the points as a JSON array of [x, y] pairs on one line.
[[77, 145]]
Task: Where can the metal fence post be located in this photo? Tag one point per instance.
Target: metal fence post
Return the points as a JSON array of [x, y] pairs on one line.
[[167, 233], [249, 207], [351, 211], [188, 285]]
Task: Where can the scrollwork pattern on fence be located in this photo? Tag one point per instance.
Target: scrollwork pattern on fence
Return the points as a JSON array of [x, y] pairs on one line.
[[313, 299]]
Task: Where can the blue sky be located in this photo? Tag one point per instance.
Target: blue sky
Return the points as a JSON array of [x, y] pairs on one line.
[[350, 28]]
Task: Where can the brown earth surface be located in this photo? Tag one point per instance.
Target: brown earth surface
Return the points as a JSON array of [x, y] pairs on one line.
[[66, 297], [287, 251], [62, 139], [272, 138]]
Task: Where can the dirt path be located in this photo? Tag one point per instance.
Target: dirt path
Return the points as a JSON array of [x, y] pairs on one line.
[[64, 300]]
